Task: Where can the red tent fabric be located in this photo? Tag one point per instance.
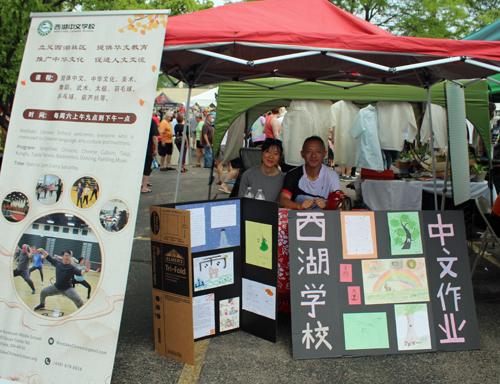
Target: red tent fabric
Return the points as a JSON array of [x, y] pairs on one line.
[[256, 30]]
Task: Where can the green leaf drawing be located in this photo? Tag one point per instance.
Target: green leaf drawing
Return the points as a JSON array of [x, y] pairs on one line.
[[394, 223], [401, 232], [398, 240], [404, 218]]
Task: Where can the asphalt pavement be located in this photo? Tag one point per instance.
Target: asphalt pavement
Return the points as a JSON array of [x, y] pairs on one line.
[[239, 357]]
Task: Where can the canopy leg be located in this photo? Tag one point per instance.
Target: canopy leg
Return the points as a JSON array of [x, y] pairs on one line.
[[183, 144], [433, 155]]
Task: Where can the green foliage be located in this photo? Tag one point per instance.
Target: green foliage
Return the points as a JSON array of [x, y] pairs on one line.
[[399, 240], [449, 19], [394, 223], [400, 232], [478, 168], [404, 218]]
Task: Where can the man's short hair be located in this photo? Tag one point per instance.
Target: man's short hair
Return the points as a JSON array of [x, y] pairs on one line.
[[313, 138], [66, 251]]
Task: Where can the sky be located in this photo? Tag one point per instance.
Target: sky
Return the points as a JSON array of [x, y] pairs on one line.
[[218, 2]]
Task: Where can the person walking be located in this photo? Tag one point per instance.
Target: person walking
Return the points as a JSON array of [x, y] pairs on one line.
[[207, 136]]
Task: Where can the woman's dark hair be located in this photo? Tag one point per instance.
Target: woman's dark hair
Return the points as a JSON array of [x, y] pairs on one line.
[[268, 143], [180, 118]]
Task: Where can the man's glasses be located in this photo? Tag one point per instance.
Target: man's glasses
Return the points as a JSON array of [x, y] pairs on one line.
[[273, 140]]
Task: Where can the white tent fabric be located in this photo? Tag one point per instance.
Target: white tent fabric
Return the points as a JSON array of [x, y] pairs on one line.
[[206, 98]]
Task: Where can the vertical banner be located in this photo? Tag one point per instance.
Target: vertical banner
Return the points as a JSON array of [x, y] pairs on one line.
[[70, 186]]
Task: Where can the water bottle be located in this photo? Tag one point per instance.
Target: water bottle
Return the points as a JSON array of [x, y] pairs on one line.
[[249, 193], [155, 164], [259, 195]]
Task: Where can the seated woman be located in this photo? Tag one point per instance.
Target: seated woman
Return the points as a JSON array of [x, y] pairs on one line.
[[267, 176]]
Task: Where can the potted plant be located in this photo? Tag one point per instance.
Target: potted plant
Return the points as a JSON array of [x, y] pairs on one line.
[[478, 172]]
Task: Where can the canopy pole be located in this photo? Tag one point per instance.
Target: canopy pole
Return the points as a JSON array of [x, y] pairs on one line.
[[183, 144], [433, 155], [445, 179]]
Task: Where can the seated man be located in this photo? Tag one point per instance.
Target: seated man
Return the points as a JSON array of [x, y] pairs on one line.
[[308, 186]]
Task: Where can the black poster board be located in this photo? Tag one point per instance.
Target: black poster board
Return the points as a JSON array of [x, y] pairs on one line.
[[368, 283], [216, 262]]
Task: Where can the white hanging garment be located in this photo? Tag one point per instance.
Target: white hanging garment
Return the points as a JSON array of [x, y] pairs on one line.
[[298, 125], [394, 120], [439, 126], [365, 129], [320, 109], [344, 114]]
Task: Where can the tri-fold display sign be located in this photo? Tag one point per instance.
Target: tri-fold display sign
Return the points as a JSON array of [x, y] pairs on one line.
[[215, 270]]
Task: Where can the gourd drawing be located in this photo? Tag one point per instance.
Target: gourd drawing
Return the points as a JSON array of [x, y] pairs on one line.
[[263, 246]]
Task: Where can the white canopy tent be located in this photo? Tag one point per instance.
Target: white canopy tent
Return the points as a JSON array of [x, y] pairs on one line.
[[207, 98]]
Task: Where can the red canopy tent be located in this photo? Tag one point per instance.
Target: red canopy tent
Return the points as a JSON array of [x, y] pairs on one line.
[[311, 41]]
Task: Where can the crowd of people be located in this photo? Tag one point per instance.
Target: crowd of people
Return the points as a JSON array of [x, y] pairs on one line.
[[167, 129]]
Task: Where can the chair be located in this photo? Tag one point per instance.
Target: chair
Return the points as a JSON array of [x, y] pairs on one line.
[[489, 236], [250, 157]]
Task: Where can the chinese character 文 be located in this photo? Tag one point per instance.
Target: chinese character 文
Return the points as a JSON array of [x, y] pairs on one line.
[[315, 264], [321, 334], [447, 268], [314, 295]]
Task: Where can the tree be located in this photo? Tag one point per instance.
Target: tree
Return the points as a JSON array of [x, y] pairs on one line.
[[483, 12], [15, 22], [405, 229], [417, 18]]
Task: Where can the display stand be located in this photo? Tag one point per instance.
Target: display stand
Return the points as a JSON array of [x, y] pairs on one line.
[[215, 268], [373, 283]]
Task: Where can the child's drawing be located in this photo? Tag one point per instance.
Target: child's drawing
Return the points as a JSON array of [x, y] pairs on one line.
[[412, 326], [213, 271], [404, 229], [387, 281]]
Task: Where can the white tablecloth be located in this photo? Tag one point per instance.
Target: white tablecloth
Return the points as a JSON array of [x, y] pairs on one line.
[[403, 195], [393, 195], [476, 189]]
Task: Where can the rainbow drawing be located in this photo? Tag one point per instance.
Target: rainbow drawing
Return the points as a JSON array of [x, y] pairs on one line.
[[403, 276]]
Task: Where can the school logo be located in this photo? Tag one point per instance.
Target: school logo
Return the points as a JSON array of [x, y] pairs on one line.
[[44, 28]]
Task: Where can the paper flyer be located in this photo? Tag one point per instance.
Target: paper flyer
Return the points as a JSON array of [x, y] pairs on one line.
[[71, 177]]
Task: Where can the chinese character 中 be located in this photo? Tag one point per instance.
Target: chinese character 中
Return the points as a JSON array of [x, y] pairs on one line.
[[440, 227]]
